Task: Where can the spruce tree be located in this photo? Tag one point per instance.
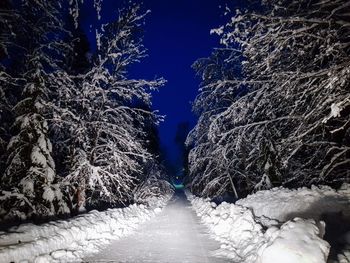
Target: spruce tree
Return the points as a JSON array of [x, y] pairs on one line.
[[29, 179]]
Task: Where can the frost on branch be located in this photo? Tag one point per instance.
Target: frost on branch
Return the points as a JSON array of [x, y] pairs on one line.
[[106, 116], [28, 184], [74, 10], [82, 132], [98, 7], [30, 168], [283, 117]]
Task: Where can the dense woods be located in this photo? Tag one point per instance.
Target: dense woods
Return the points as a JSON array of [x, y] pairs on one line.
[[274, 101], [76, 132], [88, 175]]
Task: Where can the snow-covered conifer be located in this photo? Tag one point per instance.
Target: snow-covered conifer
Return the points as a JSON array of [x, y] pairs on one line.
[[28, 184], [291, 124]]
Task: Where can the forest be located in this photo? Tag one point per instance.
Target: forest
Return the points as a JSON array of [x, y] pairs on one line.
[[273, 107], [76, 132], [265, 166], [274, 101]]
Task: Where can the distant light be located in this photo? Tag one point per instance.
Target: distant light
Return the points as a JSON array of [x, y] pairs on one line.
[[179, 186]]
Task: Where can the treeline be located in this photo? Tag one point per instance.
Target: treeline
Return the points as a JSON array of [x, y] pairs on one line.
[[75, 130], [274, 102]]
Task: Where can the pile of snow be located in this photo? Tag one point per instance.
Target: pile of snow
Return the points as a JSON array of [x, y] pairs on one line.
[[71, 240], [318, 203], [296, 241], [284, 204], [277, 225], [234, 226]]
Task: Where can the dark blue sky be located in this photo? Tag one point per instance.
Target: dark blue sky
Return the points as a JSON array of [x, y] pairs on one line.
[[176, 34]]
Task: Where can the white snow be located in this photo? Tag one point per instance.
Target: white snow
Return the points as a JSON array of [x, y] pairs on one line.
[[234, 226], [297, 240], [98, 7], [277, 225], [74, 10], [284, 204], [71, 240], [48, 194], [37, 157], [173, 236], [219, 31], [335, 110], [98, 39], [27, 185]]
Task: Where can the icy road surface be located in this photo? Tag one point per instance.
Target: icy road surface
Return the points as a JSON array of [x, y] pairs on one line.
[[174, 236]]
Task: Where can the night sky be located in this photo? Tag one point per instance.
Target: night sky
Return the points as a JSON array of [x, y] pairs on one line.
[[177, 32]]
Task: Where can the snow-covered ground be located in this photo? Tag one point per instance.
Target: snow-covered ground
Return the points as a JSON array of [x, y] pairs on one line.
[[71, 240], [284, 204], [278, 225], [173, 236]]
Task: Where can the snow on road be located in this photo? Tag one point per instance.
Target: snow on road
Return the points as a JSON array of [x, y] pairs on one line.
[[71, 240], [278, 225], [175, 235], [282, 225]]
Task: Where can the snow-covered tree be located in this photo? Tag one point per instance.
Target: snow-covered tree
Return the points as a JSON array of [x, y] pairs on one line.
[[5, 29], [208, 173], [80, 130], [5, 118], [291, 124], [100, 111], [28, 184], [6, 80]]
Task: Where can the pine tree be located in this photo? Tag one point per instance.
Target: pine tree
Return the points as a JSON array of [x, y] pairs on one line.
[[29, 178]]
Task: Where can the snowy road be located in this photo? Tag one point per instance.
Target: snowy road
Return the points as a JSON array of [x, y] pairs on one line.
[[174, 236]]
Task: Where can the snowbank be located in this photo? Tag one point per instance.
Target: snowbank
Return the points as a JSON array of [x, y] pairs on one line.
[[297, 241], [245, 238], [71, 240], [284, 204], [234, 226], [318, 203]]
